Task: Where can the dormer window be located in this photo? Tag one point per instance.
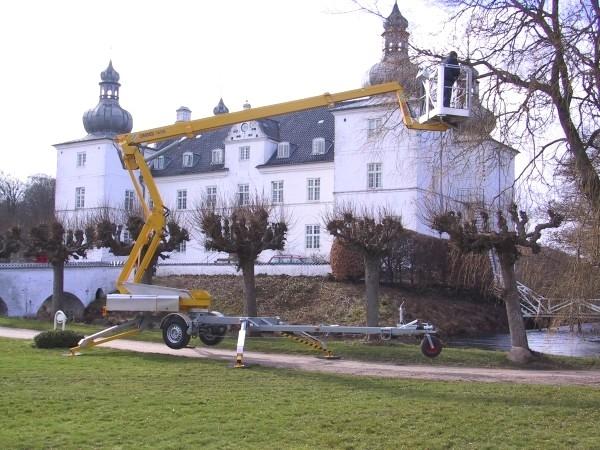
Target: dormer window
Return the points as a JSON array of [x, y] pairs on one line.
[[159, 163], [283, 150], [318, 146], [188, 159], [217, 156]]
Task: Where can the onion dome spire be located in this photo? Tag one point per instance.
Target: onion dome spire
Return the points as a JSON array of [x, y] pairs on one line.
[[395, 64], [108, 118], [220, 108]]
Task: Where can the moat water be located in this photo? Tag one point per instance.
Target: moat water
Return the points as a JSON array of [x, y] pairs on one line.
[[559, 341]]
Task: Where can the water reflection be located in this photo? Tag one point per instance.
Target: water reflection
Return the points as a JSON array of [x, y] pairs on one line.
[[556, 342]]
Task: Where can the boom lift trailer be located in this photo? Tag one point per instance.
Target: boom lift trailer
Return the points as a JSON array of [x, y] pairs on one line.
[[187, 313]]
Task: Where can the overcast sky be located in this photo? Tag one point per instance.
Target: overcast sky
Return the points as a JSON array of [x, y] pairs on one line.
[[171, 54]]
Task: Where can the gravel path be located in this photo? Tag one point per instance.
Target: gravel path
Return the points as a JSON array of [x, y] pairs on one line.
[[313, 364]]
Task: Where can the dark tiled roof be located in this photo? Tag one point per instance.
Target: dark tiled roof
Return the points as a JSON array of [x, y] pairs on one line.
[[201, 147], [299, 129]]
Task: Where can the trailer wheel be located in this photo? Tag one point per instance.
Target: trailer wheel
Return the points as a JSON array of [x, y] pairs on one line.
[[213, 335], [175, 333], [428, 350]]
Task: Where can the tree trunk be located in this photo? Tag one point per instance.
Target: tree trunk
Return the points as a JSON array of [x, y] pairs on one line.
[[58, 272], [520, 351], [149, 273], [250, 309], [147, 277], [372, 268]]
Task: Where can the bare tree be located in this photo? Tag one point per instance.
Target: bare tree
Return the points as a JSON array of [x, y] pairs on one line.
[[471, 237], [374, 236], [10, 242], [244, 231], [11, 194], [539, 64], [37, 205], [59, 245], [120, 234]]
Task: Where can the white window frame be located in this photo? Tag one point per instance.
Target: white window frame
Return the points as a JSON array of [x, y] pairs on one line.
[[374, 127], [182, 247], [313, 187], [283, 150], [216, 156], [188, 159], [374, 175], [181, 199], [80, 197], [81, 159], [127, 236], [312, 237], [129, 200], [277, 191], [318, 146], [243, 194], [211, 196], [159, 162], [244, 153]]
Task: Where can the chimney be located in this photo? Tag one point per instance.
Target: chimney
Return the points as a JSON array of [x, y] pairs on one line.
[[184, 114]]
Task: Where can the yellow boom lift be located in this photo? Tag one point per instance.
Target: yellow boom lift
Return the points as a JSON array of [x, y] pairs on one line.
[[188, 312]]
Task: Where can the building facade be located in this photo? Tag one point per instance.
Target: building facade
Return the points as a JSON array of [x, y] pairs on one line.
[[357, 153]]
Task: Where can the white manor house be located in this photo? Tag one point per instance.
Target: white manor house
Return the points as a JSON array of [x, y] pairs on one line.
[[357, 152]]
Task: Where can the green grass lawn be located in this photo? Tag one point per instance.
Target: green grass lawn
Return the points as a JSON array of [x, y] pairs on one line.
[[392, 352], [114, 399]]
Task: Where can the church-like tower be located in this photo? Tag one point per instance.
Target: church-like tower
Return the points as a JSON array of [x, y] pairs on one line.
[[89, 173], [108, 118], [395, 64]]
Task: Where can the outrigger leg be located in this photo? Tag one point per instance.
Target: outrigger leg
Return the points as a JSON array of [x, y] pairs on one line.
[[110, 334], [239, 358], [311, 341]]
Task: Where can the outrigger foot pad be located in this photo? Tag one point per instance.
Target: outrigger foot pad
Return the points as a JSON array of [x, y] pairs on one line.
[[332, 357]]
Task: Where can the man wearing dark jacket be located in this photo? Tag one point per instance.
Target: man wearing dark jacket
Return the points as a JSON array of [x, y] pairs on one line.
[[451, 74]]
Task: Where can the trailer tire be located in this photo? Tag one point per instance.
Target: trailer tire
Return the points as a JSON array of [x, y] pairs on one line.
[[428, 350], [214, 335], [175, 332]]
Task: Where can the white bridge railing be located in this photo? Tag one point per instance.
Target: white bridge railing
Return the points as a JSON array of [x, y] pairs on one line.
[[534, 305]]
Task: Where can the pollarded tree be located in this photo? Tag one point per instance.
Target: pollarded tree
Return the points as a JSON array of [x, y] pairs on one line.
[[58, 245], [113, 236], [244, 231], [469, 237], [374, 236]]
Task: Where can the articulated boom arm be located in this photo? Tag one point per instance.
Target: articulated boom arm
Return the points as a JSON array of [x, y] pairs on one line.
[[133, 158]]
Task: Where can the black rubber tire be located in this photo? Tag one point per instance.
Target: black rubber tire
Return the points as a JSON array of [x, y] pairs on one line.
[[213, 336], [427, 350], [175, 333]]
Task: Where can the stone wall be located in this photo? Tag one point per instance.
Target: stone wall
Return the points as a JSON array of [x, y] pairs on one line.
[[24, 287]]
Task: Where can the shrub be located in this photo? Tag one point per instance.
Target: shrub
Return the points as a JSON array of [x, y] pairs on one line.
[[346, 263], [57, 339], [421, 259]]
